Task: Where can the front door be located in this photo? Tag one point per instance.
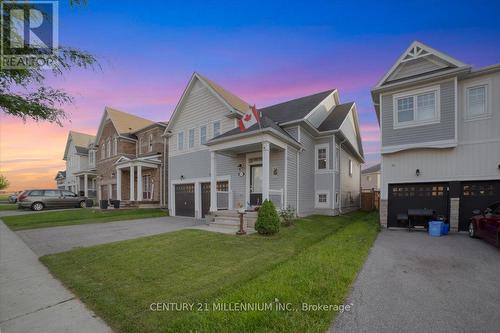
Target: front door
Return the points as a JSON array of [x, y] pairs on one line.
[[205, 199], [256, 185]]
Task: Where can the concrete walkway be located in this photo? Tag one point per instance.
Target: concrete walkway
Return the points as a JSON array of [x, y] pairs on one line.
[[59, 239], [31, 300], [415, 283]]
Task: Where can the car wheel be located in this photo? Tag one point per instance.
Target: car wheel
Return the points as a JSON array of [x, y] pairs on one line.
[[82, 204], [472, 230], [37, 206]]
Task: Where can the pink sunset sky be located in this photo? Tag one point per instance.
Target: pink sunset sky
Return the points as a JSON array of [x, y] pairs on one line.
[[148, 53]]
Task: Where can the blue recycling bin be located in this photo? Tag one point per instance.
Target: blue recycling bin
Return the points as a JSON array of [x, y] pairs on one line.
[[445, 228], [435, 228]]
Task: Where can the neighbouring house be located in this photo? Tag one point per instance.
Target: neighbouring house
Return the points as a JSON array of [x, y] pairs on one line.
[[60, 179], [130, 161], [440, 128], [305, 153], [79, 176], [370, 178]]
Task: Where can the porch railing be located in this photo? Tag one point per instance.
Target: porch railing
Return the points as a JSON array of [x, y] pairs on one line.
[[276, 197]]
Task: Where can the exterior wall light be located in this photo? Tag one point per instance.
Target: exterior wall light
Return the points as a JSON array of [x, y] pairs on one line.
[[417, 172]]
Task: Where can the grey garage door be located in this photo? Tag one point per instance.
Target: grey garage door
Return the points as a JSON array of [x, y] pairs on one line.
[[184, 200], [416, 196], [476, 195]]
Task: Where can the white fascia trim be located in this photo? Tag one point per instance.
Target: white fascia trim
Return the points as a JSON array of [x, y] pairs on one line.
[[232, 141], [432, 144]]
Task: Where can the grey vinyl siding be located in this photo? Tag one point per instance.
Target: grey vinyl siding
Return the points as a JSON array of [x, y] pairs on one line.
[[350, 185], [319, 115], [292, 178], [306, 171], [412, 68], [276, 160], [444, 130], [199, 108], [191, 165], [293, 131], [228, 166]]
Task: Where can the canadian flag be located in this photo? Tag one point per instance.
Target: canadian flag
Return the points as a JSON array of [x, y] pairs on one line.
[[250, 118]]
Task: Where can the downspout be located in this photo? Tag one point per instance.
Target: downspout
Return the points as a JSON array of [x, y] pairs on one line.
[[340, 176]]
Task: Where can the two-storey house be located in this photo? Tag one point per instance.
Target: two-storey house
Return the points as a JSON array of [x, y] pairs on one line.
[[305, 153], [440, 136], [79, 176], [130, 154]]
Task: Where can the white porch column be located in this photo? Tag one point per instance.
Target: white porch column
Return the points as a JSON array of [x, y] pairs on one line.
[[86, 185], [265, 171], [132, 178], [118, 184], [213, 182], [139, 183]]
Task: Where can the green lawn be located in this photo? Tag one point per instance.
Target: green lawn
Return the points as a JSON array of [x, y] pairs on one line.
[[8, 207], [314, 261], [77, 216]]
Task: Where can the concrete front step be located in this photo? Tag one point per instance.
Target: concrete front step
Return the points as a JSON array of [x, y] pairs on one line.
[[231, 218]]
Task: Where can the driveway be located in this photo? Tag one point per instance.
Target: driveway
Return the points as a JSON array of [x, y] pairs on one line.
[[59, 239], [414, 283]]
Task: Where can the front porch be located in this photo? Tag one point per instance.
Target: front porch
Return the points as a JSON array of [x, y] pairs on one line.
[[262, 172], [138, 182], [86, 183]]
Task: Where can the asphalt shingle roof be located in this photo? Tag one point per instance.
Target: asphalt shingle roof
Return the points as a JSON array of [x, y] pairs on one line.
[[373, 168], [336, 117], [265, 123], [295, 109]]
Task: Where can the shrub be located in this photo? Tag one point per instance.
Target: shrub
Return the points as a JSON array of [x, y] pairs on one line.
[[268, 221], [287, 215]]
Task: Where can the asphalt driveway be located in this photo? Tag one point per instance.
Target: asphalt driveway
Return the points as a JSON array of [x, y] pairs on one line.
[[414, 283], [59, 239]]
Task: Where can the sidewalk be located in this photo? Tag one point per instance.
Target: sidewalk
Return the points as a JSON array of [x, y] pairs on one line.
[[31, 300]]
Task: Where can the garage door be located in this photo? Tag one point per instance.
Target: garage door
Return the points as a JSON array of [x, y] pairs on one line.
[[476, 195], [184, 200], [222, 200], [416, 196]]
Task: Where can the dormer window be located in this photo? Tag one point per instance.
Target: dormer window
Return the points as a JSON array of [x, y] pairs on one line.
[[150, 143], [415, 108], [115, 146], [103, 151], [108, 148]]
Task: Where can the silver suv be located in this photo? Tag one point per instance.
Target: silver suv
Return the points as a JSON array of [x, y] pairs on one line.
[[40, 199]]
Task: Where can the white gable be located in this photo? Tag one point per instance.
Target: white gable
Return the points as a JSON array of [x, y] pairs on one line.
[[419, 59]]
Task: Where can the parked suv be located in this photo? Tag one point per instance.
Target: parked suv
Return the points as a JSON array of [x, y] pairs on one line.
[[40, 199]]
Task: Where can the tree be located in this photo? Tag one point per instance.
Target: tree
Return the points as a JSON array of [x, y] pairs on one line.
[[4, 183], [24, 93]]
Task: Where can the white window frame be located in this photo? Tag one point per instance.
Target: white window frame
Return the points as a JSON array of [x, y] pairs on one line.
[[115, 146], [475, 84], [191, 144], [213, 128], [180, 143], [414, 93], [103, 150], [150, 142], [202, 142], [318, 204], [350, 167], [325, 146], [139, 144]]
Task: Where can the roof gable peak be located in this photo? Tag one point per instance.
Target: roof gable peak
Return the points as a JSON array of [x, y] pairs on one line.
[[418, 51]]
